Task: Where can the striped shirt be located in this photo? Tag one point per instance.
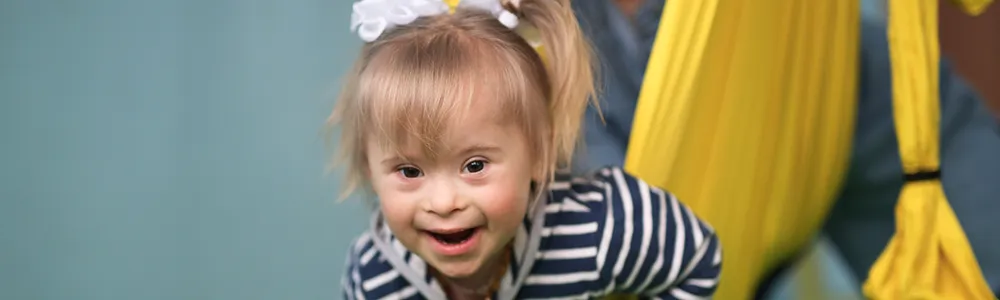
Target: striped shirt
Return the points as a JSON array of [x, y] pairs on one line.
[[595, 235]]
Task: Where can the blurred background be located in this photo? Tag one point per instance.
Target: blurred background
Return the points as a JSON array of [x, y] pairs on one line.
[[174, 149], [171, 149]]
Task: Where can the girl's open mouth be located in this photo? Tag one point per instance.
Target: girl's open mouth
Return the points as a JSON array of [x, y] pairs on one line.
[[454, 242], [454, 238]]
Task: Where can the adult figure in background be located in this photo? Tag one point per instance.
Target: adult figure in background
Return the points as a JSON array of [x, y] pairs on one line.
[[862, 220]]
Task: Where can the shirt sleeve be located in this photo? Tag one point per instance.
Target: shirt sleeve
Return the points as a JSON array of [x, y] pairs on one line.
[[653, 245], [351, 280], [348, 284]]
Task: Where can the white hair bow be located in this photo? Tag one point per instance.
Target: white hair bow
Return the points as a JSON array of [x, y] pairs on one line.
[[371, 18]]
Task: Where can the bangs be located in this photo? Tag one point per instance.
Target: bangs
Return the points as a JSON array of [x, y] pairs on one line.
[[413, 92]]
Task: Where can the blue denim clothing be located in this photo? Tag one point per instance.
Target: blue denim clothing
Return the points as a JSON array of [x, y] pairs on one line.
[[862, 220], [622, 52]]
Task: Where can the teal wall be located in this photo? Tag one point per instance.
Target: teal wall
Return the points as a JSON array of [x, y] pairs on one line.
[[170, 149]]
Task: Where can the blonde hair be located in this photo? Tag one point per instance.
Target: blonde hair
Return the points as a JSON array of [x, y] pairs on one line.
[[414, 80]]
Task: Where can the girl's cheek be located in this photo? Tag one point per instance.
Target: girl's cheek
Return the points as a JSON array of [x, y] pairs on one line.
[[504, 200]]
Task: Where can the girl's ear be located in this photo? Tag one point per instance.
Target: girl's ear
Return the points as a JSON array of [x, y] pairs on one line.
[[540, 173], [537, 177]]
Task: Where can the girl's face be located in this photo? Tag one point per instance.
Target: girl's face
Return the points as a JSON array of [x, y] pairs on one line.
[[459, 210]]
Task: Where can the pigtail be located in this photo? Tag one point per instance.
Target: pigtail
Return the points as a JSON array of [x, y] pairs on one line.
[[570, 67]]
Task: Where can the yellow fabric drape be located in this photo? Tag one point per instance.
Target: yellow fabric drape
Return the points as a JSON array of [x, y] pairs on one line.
[[929, 256], [747, 114]]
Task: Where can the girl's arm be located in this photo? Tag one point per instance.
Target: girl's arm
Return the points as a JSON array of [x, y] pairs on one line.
[[350, 282], [653, 245]]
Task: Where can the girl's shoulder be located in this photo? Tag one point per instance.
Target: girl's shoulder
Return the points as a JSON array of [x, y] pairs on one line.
[[598, 184], [369, 273], [595, 192], [364, 260], [639, 236]]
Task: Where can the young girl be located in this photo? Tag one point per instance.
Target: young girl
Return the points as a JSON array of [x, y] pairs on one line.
[[458, 125]]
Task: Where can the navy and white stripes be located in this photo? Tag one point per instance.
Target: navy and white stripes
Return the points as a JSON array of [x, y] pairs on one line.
[[601, 234]]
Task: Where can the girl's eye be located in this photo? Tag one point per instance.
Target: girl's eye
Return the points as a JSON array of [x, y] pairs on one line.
[[475, 166], [410, 172]]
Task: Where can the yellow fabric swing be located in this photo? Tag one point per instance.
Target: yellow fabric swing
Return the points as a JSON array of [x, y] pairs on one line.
[[747, 109], [929, 256], [746, 114]]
